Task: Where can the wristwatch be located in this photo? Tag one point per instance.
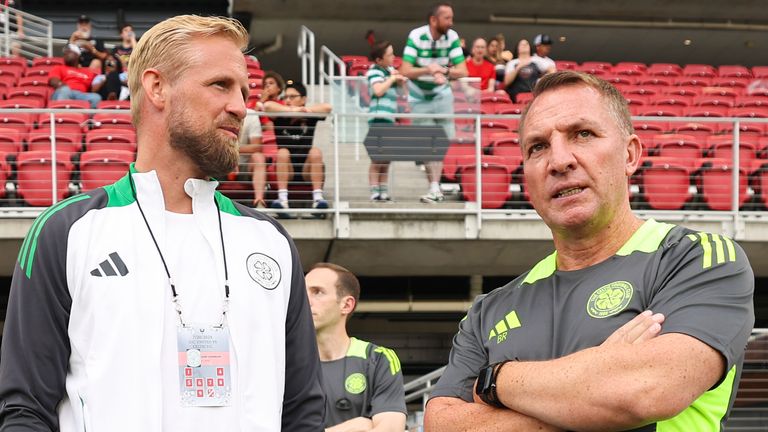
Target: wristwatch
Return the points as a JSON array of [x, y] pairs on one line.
[[486, 384]]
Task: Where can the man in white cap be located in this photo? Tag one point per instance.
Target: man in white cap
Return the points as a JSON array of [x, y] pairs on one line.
[[543, 44]]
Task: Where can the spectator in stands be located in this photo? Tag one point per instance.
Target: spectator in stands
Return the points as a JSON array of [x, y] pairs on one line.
[[363, 382], [504, 54], [494, 56], [71, 81], [543, 44], [297, 159], [629, 325], [127, 42], [273, 85], [97, 325], [383, 82], [92, 51], [16, 4], [252, 158], [432, 56], [110, 83], [522, 72], [479, 67]]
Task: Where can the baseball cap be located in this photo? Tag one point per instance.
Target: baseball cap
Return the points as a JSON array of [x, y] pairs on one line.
[[542, 39], [83, 19]]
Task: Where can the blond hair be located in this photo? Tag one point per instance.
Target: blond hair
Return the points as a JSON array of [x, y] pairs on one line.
[[617, 103], [166, 47]]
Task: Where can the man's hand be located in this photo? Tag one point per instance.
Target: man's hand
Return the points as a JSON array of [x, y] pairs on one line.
[[440, 79], [434, 68], [643, 327]]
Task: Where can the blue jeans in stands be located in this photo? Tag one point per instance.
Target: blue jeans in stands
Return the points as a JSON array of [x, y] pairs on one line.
[[64, 92]]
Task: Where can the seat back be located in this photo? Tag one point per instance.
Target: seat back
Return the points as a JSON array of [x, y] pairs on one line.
[[35, 185], [102, 167]]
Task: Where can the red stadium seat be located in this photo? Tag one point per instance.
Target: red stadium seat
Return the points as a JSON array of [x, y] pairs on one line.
[[523, 98], [11, 140], [671, 99], [565, 65], [509, 109], [682, 90], [760, 71], [759, 180], [113, 120], [34, 176], [39, 93], [734, 71], [752, 101], [665, 182], [730, 82], [699, 70], [721, 147], [679, 146], [47, 61], [456, 151], [114, 104], [664, 70], [749, 112], [70, 122], [591, 66], [706, 111], [110, 139], [699, 130], [716, 180], [66, 141], [21, 122], [642, 90], [629, 68], [713, 100], [722, 91], [22, 102], [14, 70], [102, 167], [495, 177], [69, 104], [662, 111], [636, 99], [466, 124], [33, 81], [39, 71], [620, 79], [697, 81], [509, 149], [647, 80]]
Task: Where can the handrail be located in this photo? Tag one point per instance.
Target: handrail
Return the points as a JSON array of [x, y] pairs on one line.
[[34, 39], [306, 53], [329, 57]]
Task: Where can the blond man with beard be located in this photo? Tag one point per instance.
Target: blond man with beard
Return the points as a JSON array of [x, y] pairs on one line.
[[156, 303]]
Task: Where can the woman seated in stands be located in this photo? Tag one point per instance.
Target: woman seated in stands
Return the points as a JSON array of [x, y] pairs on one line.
[[522, 72]]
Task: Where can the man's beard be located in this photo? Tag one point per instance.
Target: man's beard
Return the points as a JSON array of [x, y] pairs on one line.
[[214, 155]]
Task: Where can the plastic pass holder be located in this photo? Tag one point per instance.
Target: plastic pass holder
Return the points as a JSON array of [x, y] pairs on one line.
[[204, 366]]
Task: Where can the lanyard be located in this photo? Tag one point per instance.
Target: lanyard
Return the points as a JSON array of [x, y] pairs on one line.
[[175, 299]]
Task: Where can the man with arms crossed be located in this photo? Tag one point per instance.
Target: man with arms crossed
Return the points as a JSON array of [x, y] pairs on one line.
[[156, 304], [433, 56], [572, 344], [363, 382]]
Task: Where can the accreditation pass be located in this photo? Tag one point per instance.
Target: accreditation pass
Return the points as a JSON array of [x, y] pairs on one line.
[[204, 366]]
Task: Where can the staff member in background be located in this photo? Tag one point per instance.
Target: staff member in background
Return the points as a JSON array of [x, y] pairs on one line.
[[363, 382]]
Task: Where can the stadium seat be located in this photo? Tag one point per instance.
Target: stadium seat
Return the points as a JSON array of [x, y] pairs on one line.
[[671, 99], [523, 98], [565, 65], [456, 150], [745, 128], [664, 70], [682, 90], [713, 100], [11, 140], [637, 99], [22, 102], [70, 122], [706, 111], [699, 70], [112, 120], [69, 104], [758, 173], [509, 149], [721, 147], [66, 141], [34, 176], [595, 66], [102, 167], [697, 81], [616, 79], [661, 111], [110, 139], [7, 81], [47, 61], [39, 93], [21, 122], [465, 124], [646, 80], [509, 109], [699, 130], [651, 125], [722, 91], [678, 146], [38, 71], [495, 177], [642, 90], [629, 68], [734, 71], [752, 101], [760, 71], [33, 81], [749, 112], [716, 178], [114, 104], [730, 82], [254, 73], [13, 69], [665, 182]]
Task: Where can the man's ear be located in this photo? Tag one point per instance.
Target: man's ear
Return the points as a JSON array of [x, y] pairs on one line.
[[348, 305], [634, 154], [154, 87]]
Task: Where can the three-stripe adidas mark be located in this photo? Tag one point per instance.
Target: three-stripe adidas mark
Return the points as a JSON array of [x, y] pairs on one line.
[[720, 243], [499, 331], [107, 267]]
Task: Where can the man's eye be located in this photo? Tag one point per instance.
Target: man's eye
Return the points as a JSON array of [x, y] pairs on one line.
[[535, 148], [585, 134]]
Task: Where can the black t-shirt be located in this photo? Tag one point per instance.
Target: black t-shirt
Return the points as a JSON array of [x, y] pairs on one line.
[[295, 133], [525, 80], [122, 53]]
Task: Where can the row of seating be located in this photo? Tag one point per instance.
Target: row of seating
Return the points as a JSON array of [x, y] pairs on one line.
[[71, 140], [664, 69]]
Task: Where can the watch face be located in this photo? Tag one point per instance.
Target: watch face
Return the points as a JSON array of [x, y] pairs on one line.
[[484, 380]]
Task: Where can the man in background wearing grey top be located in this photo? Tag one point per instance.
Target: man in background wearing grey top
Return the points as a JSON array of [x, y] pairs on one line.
[[363, 382], [629, 325]]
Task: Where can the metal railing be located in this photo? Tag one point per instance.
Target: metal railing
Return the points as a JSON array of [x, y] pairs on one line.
[[34, 38], [306, 53]]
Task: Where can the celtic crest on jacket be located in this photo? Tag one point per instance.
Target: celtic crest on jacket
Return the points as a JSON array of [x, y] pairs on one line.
[[264, 270]]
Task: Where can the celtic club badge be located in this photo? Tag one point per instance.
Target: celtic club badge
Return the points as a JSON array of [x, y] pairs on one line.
[[264, 270], [609, 299], [355, 383]]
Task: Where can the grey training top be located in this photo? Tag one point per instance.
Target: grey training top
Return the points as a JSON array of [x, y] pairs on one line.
[[369, 377], [701, 282]]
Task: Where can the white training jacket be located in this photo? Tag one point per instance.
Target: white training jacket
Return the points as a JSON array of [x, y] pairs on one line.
[[89, 293]]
